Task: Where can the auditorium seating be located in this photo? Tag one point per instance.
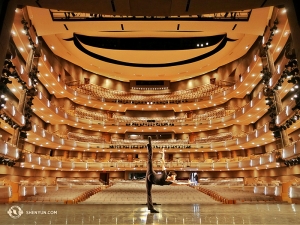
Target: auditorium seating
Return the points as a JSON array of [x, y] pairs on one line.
[[63, 195], [215, 138], [85, 138], [86, 114], [149, 121], [135, 193], [127, 97], [238, 195]]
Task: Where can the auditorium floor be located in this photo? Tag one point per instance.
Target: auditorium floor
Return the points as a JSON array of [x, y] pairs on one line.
[[138, 214]]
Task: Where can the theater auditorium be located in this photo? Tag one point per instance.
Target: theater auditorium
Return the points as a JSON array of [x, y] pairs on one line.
[[85, 85]]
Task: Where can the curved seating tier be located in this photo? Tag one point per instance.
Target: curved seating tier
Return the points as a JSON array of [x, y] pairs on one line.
[[59, 195], [122, 96], [64, 141], [85, 138], [148, 120], [86, 114], [145, 141], [237, 194], [215, 138], [216, 113], [212, 119]]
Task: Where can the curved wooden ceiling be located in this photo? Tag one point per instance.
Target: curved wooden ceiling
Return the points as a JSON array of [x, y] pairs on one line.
[[127, 64]]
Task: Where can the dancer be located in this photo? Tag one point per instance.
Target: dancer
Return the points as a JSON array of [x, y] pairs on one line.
[[153, 178]]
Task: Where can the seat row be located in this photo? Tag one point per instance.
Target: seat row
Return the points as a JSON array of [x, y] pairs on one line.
[[62, 195], [215, 138], [135, 193], [85, 138], [103, 93], [234, 194]]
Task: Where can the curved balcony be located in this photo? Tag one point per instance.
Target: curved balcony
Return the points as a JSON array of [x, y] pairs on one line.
[[85, 138], [54, 80], [191, 95], [86, 114], [156, 144], [146, 121], [36, 161], [215, 138], [63, 143], [212, 117]]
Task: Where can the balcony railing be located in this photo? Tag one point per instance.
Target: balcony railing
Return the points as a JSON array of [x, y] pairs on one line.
[[37, 160]]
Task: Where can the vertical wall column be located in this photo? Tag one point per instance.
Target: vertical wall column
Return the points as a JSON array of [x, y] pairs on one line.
[[23, 100], [79, 155], [220, 155], [272, 97], [7, 13], [94, 155], [66, 154], [248, 152], [192, 156], [129, 157], [233, 154], [277, 99], [205, 156], [293, 14], [284, 135], [107, 156]]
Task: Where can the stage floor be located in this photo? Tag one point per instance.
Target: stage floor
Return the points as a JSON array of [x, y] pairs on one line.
[[138, 214]]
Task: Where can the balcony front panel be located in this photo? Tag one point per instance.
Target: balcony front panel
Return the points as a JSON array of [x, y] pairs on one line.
[[55, 163], [294, 192], [5, 192], [9, 150], [255, 162], [44, 162], [220, 166], [67, 165], [270, 190], [278, 191], [245, 163], [41, 190], [259, 189], [80, 165], [291, 150], [233, 165], [205, 166]]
